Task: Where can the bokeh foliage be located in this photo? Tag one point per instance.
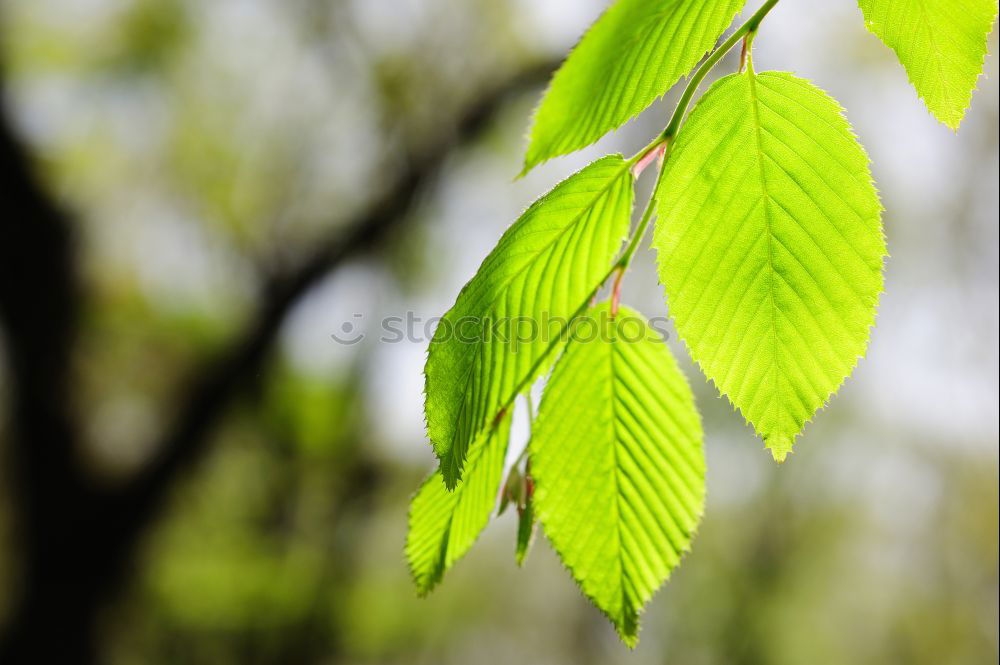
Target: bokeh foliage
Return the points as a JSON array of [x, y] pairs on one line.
[[202, 146]]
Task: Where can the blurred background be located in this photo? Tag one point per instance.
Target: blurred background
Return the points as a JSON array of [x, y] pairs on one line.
[[243, 172]]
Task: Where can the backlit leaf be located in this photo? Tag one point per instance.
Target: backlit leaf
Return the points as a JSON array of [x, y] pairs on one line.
[[444, 524], [770, 247], [633, 54], [941, 44], [508, 318], [618, 465]]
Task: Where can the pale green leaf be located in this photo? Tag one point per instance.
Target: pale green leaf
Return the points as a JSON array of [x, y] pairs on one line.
[[508, 318], [618, 464], [525, 529], [770, 247], [444, 524], [633, 54], [941, 44]]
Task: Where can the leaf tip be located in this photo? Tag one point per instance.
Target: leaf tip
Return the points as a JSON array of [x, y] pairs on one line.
[[629, 636], [780, 446], [951, 117], [452, 464], [531, 160], [451, 480], [423, 589]]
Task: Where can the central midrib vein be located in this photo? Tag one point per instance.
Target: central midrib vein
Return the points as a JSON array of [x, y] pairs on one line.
[[776, 364]]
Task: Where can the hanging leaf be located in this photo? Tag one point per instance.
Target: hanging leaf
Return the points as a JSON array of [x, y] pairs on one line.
[[940, 43], [618, 465], [631, 56], [770, 247], [509, 317], [444, 524]]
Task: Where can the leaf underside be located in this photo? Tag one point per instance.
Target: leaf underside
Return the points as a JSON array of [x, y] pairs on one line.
[[444, 524], [770, 247], [618, 464], [525, 531], [541, 274], [940, 43], [631, 56]]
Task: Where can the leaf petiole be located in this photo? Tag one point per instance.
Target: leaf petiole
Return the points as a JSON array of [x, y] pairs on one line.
[[749, 27], [661, 145]]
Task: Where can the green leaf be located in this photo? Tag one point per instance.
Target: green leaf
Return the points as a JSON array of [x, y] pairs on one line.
[[444, 524], [511, 490], [941, 44], [770, 247], [508, 318], [633, 54], [618, 464], [525, 527]]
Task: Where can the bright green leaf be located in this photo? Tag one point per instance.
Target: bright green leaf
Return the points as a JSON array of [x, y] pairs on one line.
[[941, 43], [508, 318], [633, 54], [770, 247], [618, 464], [444, 524]]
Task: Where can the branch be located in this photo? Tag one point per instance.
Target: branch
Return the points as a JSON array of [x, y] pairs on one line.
[[39, 294], [39, 305], [79, 538], [217, 383]]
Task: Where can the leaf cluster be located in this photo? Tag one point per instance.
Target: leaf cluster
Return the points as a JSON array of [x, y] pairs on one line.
[[770, 247]]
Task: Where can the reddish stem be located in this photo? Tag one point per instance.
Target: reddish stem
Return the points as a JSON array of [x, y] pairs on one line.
[[655, 153], [616, 292]]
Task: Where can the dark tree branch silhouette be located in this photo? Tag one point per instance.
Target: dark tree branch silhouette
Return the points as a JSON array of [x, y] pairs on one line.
[[79, 537]]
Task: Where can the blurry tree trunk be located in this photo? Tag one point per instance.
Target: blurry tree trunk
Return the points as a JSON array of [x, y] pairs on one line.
[[56, 510], [78, 538]]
